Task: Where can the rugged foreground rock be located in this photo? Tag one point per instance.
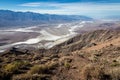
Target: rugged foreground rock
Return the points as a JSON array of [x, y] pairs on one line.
[[89, 56]]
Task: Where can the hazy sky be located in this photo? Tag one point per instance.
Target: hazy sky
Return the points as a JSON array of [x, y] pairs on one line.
[[93, 8]]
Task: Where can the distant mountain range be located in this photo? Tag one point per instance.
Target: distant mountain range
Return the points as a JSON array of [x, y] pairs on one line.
[[10, 18], [115, 17]]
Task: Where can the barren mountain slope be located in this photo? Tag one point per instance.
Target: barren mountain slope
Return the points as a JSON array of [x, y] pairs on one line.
[[92, 56], [87, 40]]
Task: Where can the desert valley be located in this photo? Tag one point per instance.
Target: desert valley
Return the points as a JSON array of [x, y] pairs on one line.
[[36, 46]]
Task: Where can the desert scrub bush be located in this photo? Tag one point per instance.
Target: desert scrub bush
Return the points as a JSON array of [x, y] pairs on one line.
[[104, 62], [29, 77], [55, 59], [12, 67], [94, 72], [52, 64], [22, 77], [81, 55], [94, 58], [15, 66], [66, 64], [42, 69], [115, 63], [38, 69]]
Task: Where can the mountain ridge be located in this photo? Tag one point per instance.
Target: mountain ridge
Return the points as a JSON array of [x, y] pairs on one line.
[[11, 18]]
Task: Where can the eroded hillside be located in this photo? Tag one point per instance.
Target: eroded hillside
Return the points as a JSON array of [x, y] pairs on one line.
[[90, 56]]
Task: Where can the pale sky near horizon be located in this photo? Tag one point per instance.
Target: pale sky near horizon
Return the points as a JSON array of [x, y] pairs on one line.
[[92, 8]]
